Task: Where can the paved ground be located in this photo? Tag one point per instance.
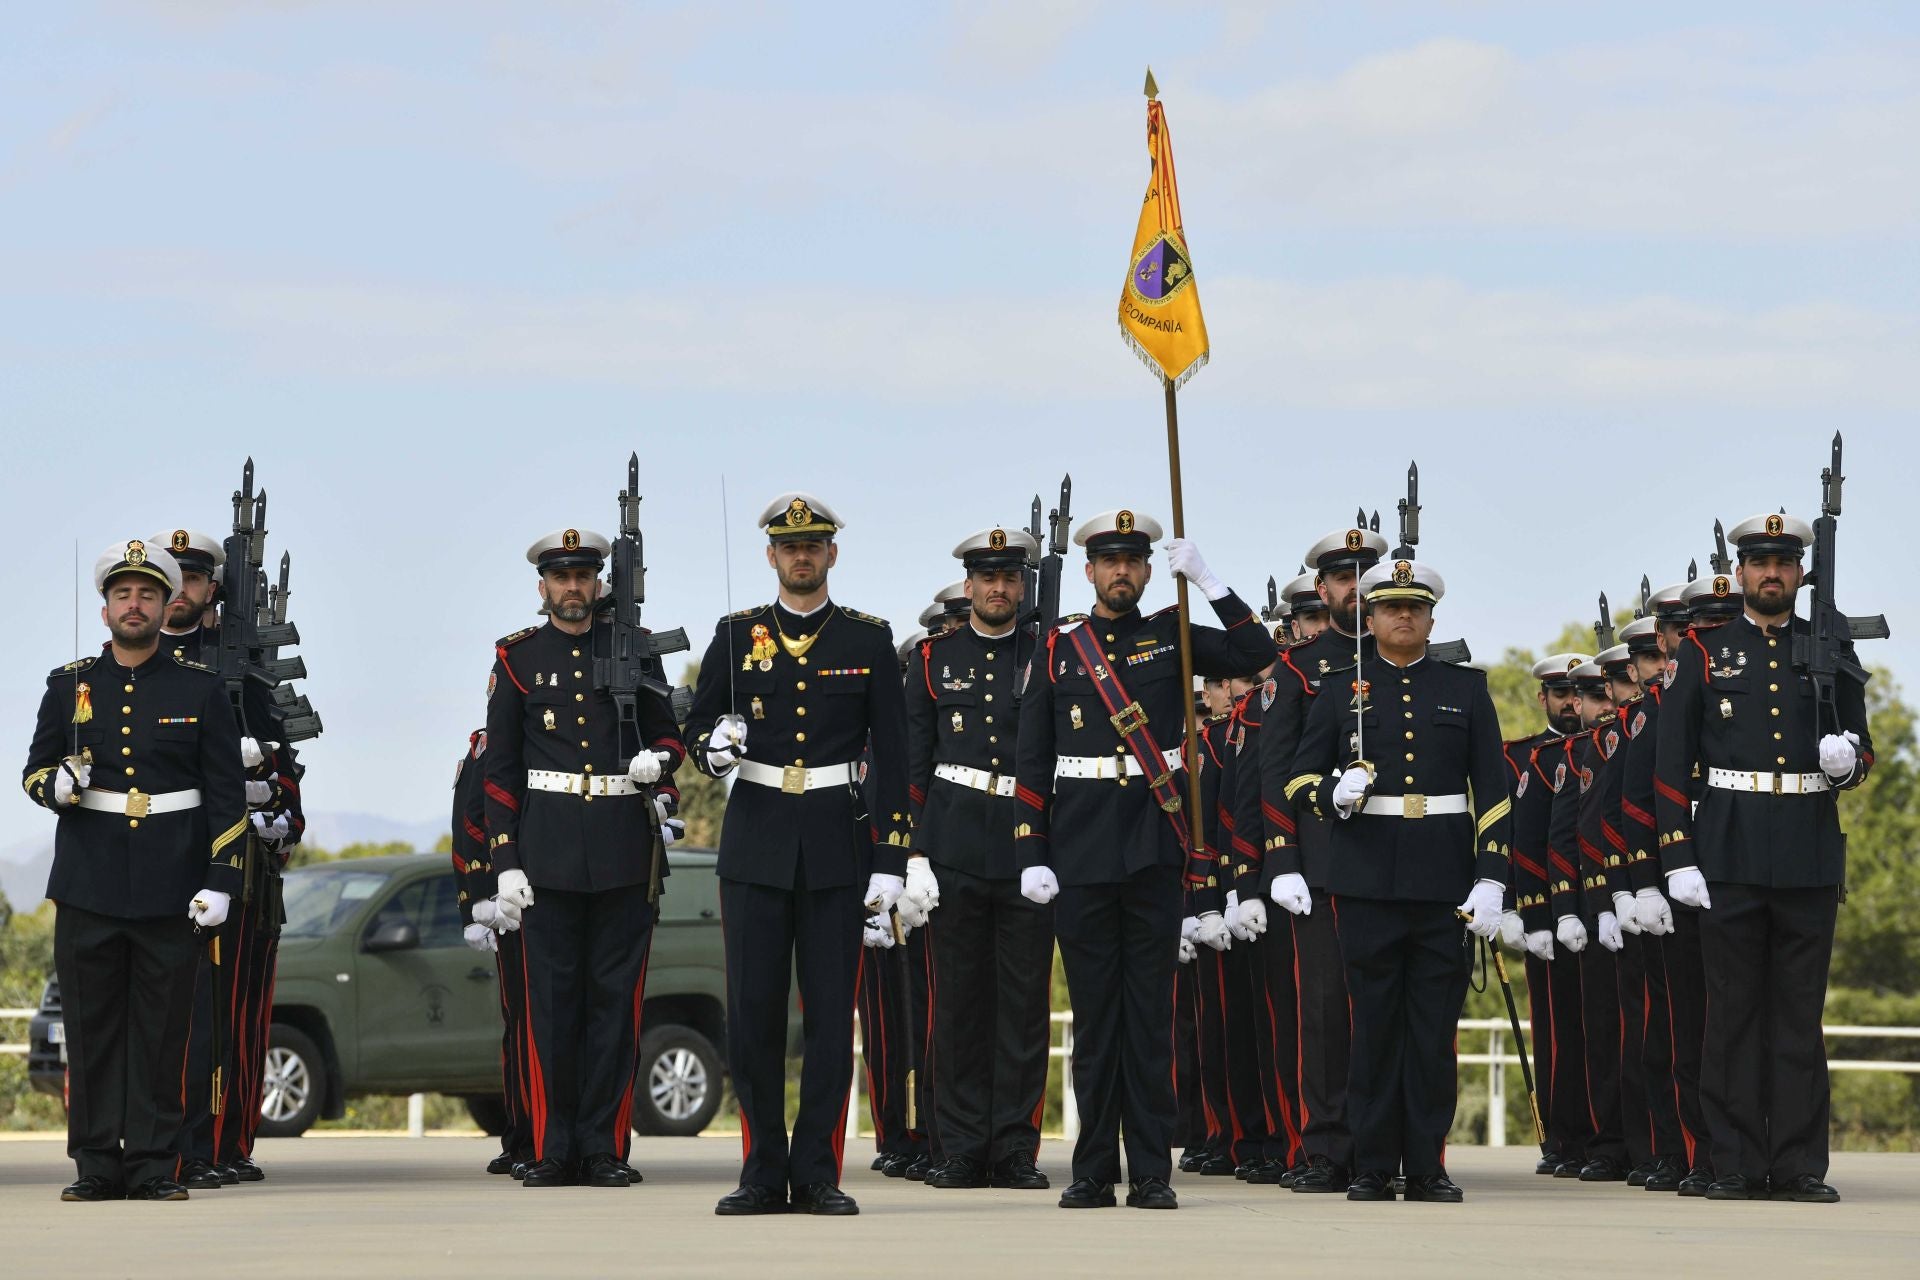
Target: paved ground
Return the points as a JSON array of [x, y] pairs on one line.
[[421, 1207]]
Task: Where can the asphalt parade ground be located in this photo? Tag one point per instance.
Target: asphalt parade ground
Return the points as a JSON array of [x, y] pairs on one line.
[[385, 1206]]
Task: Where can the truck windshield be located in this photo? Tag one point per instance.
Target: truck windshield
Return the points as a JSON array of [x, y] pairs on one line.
[[318, 899]]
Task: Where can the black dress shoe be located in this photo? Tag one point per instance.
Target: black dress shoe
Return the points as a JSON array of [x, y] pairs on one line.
[[1290, 1176], [1546, 1165], [1151, 1193], [157, 1189], [957, 1172], [229, 1175], [247, 1171], [601, 1171], [1567, 1169], [752, 1199], [1399, 1185], [1371, 1185], [918, 1168], [825, 1199], [1737, 1187], [1191, 1159], [520, 1168], [502, 1163], [1087, 1193], [1018, 1173], [1217, 1166], [1665, 1176], [548, 1173], [1269, 1173], [897, 1163], [1602, 1169], [94, 1187], [879, 1162], [1434, 1188], [1244, 1170], [1637, 1176], [633, 1175], [1321, 1177], [1806, 1189], [198, 1175], [1694, 1185]]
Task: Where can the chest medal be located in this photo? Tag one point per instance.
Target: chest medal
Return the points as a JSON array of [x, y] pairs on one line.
[[1726, 708], [758, 708], [763, 649], [958, 724], [82, 703], [546, 718], [1073, 714]]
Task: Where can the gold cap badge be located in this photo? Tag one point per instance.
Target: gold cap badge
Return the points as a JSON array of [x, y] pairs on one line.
[[798, 514], [1355, 540], [136, 552], [1402, 573], [1125, 523], [1721, 587], [997, 540], [179, 540], [570, 540], [1774, 526]]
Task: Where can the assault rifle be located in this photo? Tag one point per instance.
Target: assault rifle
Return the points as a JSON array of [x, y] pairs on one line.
[[1823, 649]]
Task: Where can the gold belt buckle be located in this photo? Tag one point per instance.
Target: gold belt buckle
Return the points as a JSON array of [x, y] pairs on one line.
[[138, 804], [793, 780], [1779, 781], [1413, 806], [1129, 719]]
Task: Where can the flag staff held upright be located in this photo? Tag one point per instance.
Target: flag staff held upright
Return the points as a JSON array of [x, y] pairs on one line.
[[1160, 318]]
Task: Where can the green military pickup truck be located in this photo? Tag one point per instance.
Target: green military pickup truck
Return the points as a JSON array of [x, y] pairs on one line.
[[378, 994]]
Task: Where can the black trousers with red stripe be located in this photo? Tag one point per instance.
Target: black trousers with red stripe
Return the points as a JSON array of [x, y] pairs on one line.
[[1560, 1053], [1600, 1021], [1326, 1032], [517, 1140], [1656, 1056], [1190, 1124], [1242, 974], [1276, 1024], [1687, 1000], [1120, 945], [205, 1134], [584, 965], [768, 933], [992, 967], [893, 1009], [126, 987], [259, 961], [1636, 1115], [1210, 1050]]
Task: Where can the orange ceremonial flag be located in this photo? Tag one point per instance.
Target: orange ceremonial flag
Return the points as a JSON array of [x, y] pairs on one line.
[[1160, 305]]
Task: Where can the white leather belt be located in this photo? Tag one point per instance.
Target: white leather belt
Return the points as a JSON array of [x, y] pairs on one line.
[[138, 804], [794, 779], [1414, 806], [1109, 766], [1775, 784], [999, 784], [582, 784]]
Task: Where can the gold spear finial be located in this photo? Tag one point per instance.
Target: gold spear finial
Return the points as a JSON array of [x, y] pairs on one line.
[[1153, 90]]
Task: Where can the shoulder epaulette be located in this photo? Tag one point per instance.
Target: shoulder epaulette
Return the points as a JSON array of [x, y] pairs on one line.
[[944, 635], [515, 638], [865, 617], [191, 665], [1068, 623], [747, 613], [78, 664], [1160, 613], [1217, 717]]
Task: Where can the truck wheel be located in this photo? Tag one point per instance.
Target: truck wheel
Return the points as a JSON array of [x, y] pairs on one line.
[[677, 1089], [489, 1112], [295, 1084]]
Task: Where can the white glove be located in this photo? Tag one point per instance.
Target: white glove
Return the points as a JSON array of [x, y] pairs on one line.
[[1483, 904], [882, 892], [1213, 932], [1689, 888], [513, 889], [922, 891], [480, 937], [209, 908], [1290, 891], [1347, 792], [646, 767], [1190, 928], [1184, 559], [877, 933], [1572, 934], [1609, 931], [251, 754], [270, 833], [258, 793], [1540, 944], [1253, 920], [1839, 753], [1512, 933], [1187, 952], [1623, 911], [507, 917], [1232, 914], [672, 832], [70, 779], [672, 829], [726, 744], [1038, 885], [486, 912], [1655, 916]]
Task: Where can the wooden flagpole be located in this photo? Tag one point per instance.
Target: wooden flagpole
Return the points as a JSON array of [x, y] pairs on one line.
[[1196, 826]]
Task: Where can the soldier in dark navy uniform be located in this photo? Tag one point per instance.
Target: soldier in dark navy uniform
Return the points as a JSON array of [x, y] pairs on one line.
[[1101, 777], [1295, 865], [791, 695], [1553, 983], [991, 948], [1307, 610], [1763, 860], [138, 754], [571, 840], [1407, 848]]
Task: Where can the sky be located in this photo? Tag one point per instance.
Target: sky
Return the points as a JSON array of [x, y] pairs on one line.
[[1607, 273]]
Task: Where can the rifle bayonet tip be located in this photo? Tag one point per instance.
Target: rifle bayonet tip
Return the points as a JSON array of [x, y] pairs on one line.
[[1152, 89]]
